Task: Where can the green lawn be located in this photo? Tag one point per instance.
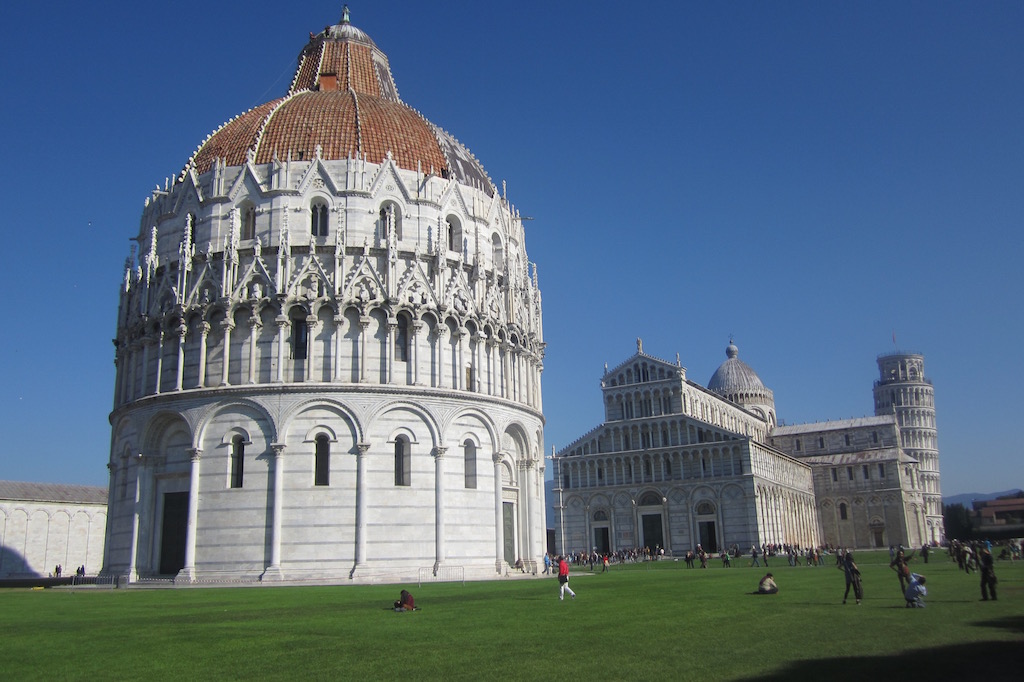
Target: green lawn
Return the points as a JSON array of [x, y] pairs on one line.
[[653, 621]]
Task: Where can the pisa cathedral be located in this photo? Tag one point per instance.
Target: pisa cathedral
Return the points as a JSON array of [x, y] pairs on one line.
[[675, 464], [329, 349]]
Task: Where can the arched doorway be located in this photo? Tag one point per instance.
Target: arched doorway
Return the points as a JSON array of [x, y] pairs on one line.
[[707, 528], [877, 530], [601, 533], [651, 512]]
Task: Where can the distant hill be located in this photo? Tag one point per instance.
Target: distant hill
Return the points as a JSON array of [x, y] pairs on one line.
[[966, 498]]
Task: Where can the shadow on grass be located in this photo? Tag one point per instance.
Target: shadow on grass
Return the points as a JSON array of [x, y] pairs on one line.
[[977, 660]]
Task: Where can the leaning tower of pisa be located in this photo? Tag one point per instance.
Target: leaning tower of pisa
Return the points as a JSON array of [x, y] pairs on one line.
[[903, 390]]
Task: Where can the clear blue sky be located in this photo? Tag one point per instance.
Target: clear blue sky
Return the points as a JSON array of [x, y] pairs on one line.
[[809, 177]]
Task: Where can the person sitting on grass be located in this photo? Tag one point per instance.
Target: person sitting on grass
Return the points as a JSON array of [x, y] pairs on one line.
[[916, 590], [405, 602], [767, 585]]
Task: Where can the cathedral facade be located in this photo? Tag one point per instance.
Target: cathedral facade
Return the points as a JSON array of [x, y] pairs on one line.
[[329, 349], [675, 465]]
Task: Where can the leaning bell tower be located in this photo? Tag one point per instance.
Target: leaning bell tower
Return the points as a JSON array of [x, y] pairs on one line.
[[903, 390]]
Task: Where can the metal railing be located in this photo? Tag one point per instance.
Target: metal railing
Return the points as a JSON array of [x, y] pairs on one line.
[[442, 574]]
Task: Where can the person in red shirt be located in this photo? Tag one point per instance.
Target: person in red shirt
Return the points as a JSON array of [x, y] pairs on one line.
[[563, 579], [406, 602]]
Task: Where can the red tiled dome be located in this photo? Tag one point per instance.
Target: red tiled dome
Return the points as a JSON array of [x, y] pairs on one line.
[[344, 100]]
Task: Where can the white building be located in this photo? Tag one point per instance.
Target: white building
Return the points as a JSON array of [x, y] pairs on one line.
[[675, 465], [329, 350], [43, 525]]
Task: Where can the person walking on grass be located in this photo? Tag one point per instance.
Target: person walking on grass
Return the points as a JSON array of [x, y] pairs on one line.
[[563, 579], [852, 578], [988, 574]]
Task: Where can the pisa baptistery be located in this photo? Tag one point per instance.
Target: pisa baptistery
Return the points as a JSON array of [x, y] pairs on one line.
[[329, 349]]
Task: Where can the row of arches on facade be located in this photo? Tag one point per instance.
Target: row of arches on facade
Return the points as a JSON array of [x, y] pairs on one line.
[[451, 232], [907, 397], [320, 432], [664, 434], [641, 372], [650, 467], [658, 402], [254, 344]]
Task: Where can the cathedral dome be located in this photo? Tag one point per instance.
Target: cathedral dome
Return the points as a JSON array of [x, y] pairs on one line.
[[734, 375], [342, 104]]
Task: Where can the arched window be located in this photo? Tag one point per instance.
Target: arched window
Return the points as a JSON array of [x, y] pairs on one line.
[[600, 515], [237, 461], [454, 234], [248, 214], [300, 334], [469, 449], [322, 461], [318, 218], [389, 214], [842, 511], [497, 252], [650, 500], [402, 461], [402, 339]]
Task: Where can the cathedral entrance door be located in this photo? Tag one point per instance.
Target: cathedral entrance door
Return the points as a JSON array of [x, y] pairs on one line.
[[708, 536], [172, 533], [877, 535], [508, 511], [653, 536], [601, 544]]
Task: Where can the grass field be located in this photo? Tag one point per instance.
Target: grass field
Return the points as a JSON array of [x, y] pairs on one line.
[[645, 621]]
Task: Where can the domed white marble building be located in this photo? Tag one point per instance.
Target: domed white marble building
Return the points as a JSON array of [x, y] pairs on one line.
[[676, 465], [329, 350]]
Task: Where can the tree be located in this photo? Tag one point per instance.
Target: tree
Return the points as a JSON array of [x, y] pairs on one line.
[[958, 522]]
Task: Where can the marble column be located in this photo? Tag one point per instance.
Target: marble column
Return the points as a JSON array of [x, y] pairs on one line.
[[339, 336], [147, 342], [442, 350], [361, 521], [133, 558], [188, 571], [182, 333], [254, 335], [204, 332], [364, 325], [417, 327], [307, 372], [226, 326], [282, 324], [160, 336], [273, 571], [499, 520], [439, 551], [389, 345]]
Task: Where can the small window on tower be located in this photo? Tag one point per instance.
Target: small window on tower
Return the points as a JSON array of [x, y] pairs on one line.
[[248, 222], [318, 218], [300, 339]]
